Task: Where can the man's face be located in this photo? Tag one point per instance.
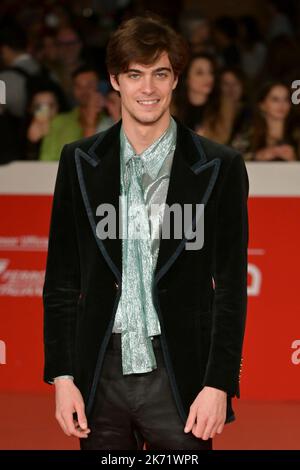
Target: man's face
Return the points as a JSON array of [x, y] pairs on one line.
[[84, 85], [146, 90], [68, 46]]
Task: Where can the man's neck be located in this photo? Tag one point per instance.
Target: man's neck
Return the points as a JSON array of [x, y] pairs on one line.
[[141, 136]]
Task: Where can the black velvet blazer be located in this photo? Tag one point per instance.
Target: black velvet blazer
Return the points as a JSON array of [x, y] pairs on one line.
[[200, 295]]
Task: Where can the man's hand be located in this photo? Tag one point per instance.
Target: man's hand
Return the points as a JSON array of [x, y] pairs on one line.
[[69, 400], [207, 413]]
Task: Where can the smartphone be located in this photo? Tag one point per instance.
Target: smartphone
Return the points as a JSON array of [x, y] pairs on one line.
[[42, 111]]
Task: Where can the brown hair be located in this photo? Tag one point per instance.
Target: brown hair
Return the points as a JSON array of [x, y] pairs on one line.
[[142, 39]]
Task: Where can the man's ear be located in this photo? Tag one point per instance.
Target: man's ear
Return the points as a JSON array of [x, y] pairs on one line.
[[175, 83], [114, 82]]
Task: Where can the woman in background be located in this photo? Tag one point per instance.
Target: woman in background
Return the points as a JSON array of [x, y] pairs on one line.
[[230, 114], [274, 135], [195, 90]]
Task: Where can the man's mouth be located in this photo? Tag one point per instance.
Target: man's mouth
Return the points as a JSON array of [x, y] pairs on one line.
[[148, 102]]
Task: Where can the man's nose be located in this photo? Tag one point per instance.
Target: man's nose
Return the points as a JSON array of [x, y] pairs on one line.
[[148, 85]]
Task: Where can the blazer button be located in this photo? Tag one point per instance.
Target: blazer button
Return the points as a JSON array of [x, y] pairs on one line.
[[116, 285]]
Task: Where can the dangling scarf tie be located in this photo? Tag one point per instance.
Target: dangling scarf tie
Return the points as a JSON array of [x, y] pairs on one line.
[[139, 320]]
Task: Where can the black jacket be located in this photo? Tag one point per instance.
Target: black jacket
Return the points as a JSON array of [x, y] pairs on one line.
[[200, 295]]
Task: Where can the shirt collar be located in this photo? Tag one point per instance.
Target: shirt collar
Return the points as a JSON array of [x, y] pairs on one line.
[[154, 155]]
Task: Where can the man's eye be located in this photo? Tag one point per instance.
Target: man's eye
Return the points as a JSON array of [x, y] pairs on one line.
[[134, 75], [161, 74]]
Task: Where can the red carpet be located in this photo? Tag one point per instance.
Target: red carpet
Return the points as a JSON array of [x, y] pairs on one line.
[[28, 422]]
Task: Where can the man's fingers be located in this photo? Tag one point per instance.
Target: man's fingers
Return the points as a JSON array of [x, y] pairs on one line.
[[81, 421], [208, 429], [214, 430], [191, 419], [68, 418], [78, 428], [199, 426], [220, 428], [81, 416]]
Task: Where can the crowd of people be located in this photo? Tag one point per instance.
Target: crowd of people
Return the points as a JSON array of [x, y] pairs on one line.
[[236, 88]]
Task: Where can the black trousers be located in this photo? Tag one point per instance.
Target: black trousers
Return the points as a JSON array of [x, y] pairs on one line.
[[130, 410]]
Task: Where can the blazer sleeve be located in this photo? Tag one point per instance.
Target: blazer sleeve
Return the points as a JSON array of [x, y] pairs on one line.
[[230, 276], [61, 287]]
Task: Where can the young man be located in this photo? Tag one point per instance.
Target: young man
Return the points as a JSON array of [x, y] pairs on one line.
[[143, 335]]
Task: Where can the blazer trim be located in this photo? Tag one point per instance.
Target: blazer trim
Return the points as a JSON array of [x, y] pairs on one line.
[[97, 142], [197, 168], [79, 153], [100, 357]]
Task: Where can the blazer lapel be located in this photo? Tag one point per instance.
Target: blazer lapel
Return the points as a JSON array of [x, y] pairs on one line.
[[191, 182], [99, 178]]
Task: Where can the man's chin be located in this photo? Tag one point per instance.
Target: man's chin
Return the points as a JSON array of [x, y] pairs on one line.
[[149, 119]]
